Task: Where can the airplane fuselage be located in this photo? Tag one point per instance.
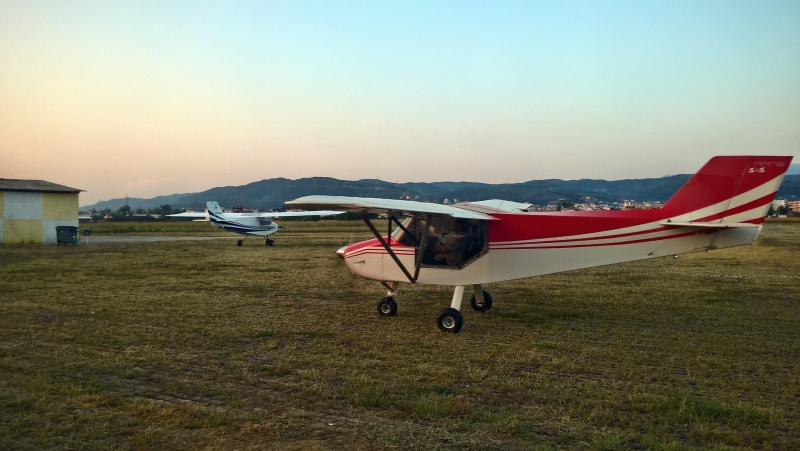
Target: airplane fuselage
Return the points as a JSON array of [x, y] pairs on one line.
[[244, 225], [531, 244]]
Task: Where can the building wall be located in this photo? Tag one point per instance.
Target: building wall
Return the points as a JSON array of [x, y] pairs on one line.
[[22, 231], [20, 205], [32, 217], [49, 228], [59, 206]]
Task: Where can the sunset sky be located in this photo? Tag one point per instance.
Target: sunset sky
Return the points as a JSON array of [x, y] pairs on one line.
[[150, 98]]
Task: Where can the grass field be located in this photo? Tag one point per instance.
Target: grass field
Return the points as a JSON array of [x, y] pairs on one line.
[[205, 345]]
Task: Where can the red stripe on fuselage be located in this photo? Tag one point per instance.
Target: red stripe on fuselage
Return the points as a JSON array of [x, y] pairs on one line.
[[595, 238], [618, 243], [537, 226]]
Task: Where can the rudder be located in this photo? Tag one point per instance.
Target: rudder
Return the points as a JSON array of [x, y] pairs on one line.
[[728, 186]]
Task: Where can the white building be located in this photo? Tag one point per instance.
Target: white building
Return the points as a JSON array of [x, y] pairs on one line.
[[30, 210]]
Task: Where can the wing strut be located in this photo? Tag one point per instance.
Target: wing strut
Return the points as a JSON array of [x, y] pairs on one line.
[[387, 247], [422, 246], [393, 218]]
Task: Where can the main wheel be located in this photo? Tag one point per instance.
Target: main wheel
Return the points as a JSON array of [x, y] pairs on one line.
[[387, 306], [481, 307], [239, 243], [270, 242], [450, 320]]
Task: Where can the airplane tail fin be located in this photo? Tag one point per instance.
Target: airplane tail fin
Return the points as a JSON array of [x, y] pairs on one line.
[[729, 189], [213, 207]]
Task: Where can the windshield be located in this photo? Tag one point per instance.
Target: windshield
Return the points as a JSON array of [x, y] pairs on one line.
[[449, 242]]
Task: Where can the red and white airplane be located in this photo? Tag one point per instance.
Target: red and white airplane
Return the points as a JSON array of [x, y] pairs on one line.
[[476, 243]]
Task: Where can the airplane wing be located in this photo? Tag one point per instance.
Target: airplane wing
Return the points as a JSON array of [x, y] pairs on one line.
[[496, 205], [372, 205], [286, 214], [276, 214]]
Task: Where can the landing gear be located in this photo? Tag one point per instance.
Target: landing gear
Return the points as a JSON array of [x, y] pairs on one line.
[[269, 242], [387, 306], [239, 243], [450, 320], [481, 305]]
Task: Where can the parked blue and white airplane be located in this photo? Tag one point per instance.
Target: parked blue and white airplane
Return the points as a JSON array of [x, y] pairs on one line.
[[259, 224]]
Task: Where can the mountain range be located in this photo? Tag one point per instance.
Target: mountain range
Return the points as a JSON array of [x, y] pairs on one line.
[[272, 193]]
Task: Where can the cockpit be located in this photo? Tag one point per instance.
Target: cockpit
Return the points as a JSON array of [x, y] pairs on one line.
[[445, 241], [264, 221]]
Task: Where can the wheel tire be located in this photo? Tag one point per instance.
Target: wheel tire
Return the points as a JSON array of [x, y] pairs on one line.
[[270, 242], [239, 243], [387, 306], [487, 302], [450, 320]]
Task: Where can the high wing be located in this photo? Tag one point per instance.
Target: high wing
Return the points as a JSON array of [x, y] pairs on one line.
[[276, 214], [284, 214], [364, 205]]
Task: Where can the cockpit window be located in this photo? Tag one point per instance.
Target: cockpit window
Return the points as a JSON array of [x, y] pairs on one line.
[[264, 221], [450, 242]]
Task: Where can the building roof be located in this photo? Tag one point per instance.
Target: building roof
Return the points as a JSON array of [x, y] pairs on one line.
[[39, 186]]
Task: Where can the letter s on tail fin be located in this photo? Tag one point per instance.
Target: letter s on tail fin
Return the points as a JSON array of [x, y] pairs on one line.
[[735, 189]]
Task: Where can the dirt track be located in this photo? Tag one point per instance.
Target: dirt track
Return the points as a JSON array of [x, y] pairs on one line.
[[146, 239]]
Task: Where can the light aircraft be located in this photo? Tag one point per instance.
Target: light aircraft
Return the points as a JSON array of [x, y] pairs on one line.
[[476, 243], [258, 224]]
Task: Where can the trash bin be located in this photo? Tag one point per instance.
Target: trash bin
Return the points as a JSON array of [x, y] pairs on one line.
[[66, 235]]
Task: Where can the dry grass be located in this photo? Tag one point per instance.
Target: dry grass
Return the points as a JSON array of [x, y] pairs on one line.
[[204, 345]]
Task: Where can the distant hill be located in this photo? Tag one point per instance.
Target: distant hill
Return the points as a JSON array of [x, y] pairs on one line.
[[272, 193]]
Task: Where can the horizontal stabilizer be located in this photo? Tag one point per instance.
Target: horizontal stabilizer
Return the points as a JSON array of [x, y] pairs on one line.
[[189, 215], [711, 225]]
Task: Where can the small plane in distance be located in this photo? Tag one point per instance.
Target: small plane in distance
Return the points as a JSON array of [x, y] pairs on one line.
[[258, 224], [475, 243]]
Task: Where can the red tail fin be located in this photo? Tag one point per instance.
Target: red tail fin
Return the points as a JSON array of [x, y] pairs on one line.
[[724, 178]]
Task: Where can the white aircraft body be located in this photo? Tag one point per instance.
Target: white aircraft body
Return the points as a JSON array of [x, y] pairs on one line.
[[257, 224], [723, 205]]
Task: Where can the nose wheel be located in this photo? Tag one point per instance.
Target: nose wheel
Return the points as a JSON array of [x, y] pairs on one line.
[[269, 242]]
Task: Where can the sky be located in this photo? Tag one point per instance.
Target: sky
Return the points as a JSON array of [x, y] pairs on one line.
[[147, 98]]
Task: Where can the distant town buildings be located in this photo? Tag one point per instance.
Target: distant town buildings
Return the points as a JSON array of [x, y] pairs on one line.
[[560, 205]]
